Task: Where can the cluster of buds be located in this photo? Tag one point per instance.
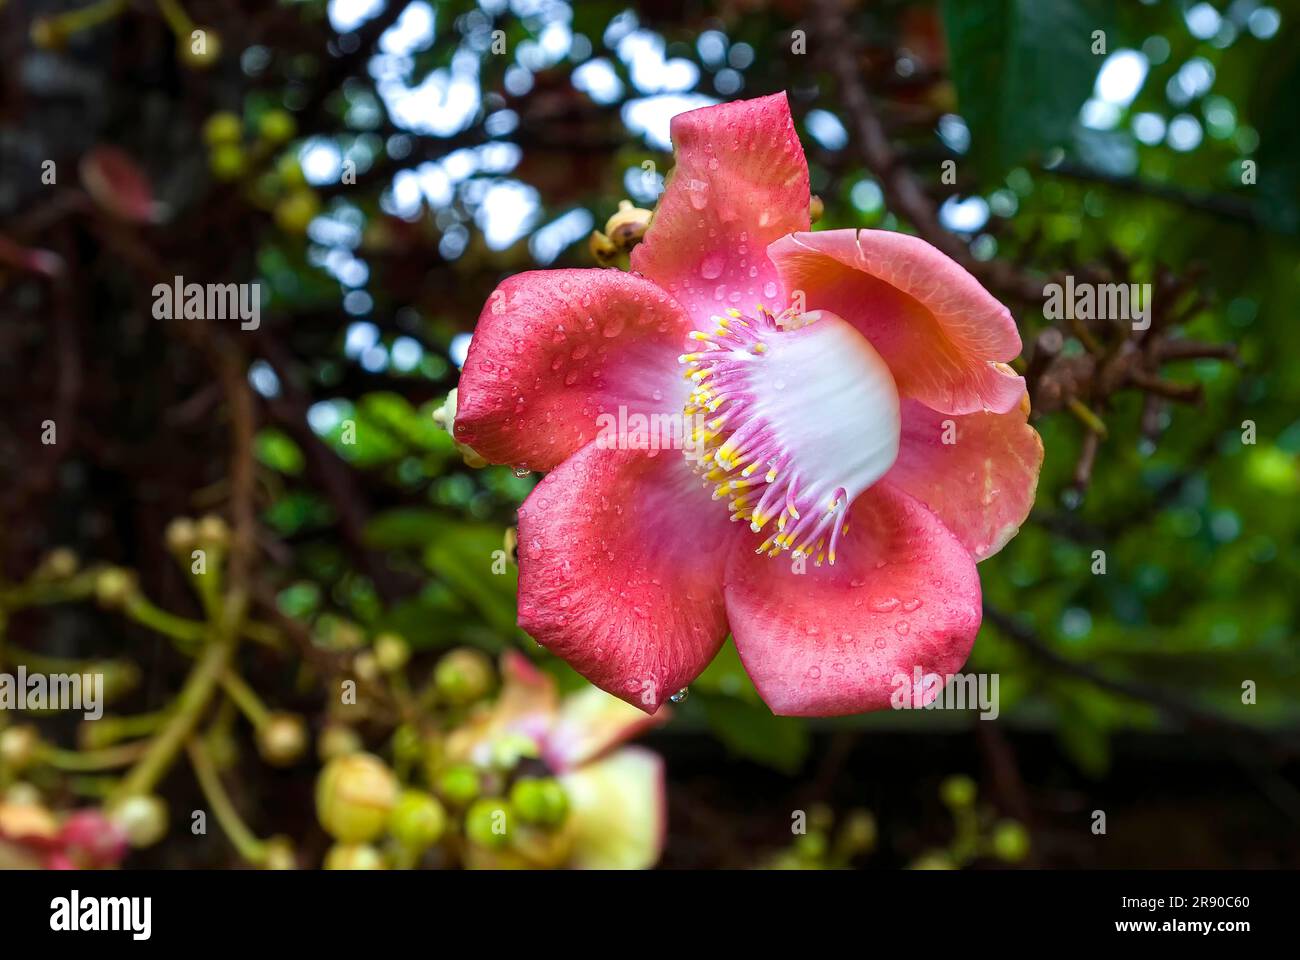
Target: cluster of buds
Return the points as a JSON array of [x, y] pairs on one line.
[[33, 837], [272, 183], [623, 231], [979, 832]]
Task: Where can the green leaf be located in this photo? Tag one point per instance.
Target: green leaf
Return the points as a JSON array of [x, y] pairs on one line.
[[1022, 69]]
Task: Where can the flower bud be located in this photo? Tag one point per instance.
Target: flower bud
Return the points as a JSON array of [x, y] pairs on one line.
[[540, 800], [354, 856], [336, 740], [958, 791], [277, 126], [627, 226], [445, 417], [113, 587], [59, 564], [459, 784], [18, 746], [392, 652], [417, 820], [289, 170], [199, 57], [282, 738], [1010, 841], [279, 854], [487, 822], [222, 127], [181, 535], [816, 208], [511, 748], [296, 211], [227, 161], [212, 531], [366, 666], [602, 249], [463, 676], [354, 797], [142, 817]]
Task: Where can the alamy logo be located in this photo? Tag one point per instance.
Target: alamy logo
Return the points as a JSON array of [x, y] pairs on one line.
[[209, 301], [74, 913], [53, 691], [952, 691], [656, 431], [1098, 301]]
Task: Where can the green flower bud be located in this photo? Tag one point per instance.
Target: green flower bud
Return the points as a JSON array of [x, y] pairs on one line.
[[18, 746], [296, 211], [142, 817], [463, 676], [541, 801], [282, 739], [513, 747], [354, 856], [223, 127], [227, 161], [113, 586], [336, 740], [280, 854], [459, 784], [289, 170], [277, 126], [354, 797], [811, 846], [391, 651], [60, 563], [958, 791], [488, 822], [1010, 841], [417, 820]]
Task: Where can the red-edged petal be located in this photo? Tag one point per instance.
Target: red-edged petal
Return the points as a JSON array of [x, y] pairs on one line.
[[621, 556], [554, 349], [590, 723], [977, 472], [941, 333], [740, 181], [834, 640]]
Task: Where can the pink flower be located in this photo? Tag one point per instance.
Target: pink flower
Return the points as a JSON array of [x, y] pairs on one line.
[[617, 804], [860, 423]]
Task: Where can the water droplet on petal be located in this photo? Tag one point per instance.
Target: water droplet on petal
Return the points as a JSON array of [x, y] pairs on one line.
[[680, 695]]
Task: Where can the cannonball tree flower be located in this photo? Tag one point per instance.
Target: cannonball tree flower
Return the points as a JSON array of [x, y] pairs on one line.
[[859, 442], [616, 809]]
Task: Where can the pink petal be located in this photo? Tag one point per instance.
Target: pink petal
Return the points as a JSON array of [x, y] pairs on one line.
[[618, 811], [740, 181], [590, 724], [903, 593], [940, 331], [621, 556], [554, 349], [982, 484]]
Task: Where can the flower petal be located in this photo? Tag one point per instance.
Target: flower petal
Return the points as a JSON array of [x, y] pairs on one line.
[[832, 641], [620, 571], [740, 181], [981, 483], [590, 724], [554, 349], [618, 811], [940, 331]]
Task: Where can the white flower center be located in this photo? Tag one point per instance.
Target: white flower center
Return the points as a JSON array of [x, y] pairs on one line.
[[800, 416]]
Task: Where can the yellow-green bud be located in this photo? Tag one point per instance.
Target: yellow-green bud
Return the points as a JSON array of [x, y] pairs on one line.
[[289, 170], [958, 791], [296, 211], [203, 57], [354, 797], [540, 800], [277, 126], [459, 784], [463, 676], [212, 531], [181, 535], [354, 856], [113, 586], [142, 818], [336, 740], [487, 822], [627, 226], [282, 739], [280, 854], [18, 746], [417, 820], [223, 127], [60, 563], [391, 651], [1010, 841], [227, 161], [508, 750]]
